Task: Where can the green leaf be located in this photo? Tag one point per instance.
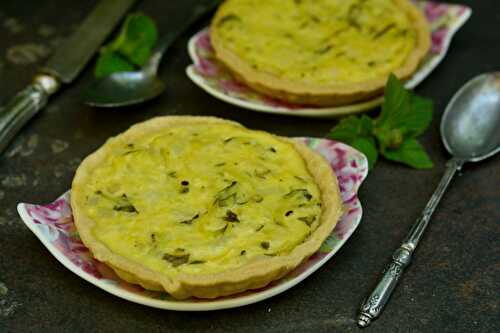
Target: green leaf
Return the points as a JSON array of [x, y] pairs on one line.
[[350, 128], [346, 130], [136, 39], [130, 49], [404, 110], [367, 146], [389, 138], [109, 63], [419, 117], [404, 116], [410, 153], [366, 126], [396, 103]]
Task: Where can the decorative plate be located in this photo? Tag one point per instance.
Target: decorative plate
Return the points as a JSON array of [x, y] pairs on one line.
[[53, 225], [445, 20]]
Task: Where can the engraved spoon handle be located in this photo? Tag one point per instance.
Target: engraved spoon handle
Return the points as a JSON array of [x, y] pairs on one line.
[[375, 303]]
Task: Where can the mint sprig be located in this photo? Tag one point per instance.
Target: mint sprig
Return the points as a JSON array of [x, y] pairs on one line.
[[404, 117], [130, 49], [110, 62]]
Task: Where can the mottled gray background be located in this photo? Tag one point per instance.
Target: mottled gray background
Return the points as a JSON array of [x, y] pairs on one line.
[[452, 286]]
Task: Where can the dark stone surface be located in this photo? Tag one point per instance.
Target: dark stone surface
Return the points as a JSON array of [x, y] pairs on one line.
[[452, 286]]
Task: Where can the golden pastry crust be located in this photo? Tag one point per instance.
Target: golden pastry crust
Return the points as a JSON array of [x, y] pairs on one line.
[[317, 94], [255, 274]]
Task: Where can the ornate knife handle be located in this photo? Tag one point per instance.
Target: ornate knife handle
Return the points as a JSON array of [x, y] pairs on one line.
[[23, 106], [375, 303]]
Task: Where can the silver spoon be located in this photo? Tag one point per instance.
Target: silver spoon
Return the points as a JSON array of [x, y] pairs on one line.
[[128, 88], [470, 131]]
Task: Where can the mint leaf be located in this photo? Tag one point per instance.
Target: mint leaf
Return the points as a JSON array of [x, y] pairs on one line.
[[404, 116], [357, 132], [366, 126], [130, 49], [389, 138], [410, 153], [419, 117], [136, 39], [404, 110], [396, 103], [350, 128], [367, 146], [109, 63]]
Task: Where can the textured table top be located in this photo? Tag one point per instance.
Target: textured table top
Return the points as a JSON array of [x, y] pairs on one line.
[[452, 285]]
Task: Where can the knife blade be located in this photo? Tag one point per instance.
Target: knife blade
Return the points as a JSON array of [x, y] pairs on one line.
[[62, 67], [70, 59]]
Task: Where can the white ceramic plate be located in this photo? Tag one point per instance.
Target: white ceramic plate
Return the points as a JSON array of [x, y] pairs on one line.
[[207, 73], [54, 227]]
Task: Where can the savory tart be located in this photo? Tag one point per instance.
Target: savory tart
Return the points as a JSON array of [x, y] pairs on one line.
[[200, 206], [321, 52]]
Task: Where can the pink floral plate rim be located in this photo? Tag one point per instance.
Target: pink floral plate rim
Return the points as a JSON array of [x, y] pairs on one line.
[[444, 19], [54, 227]]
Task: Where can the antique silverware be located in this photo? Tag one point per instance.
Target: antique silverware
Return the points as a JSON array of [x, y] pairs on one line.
[[62, 67], [470, 131], [128, 88]]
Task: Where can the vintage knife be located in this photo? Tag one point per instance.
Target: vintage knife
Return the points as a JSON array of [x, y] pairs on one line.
[[62, 67]]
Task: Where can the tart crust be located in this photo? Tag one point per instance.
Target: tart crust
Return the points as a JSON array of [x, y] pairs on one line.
[[254, 274], [329, 94]]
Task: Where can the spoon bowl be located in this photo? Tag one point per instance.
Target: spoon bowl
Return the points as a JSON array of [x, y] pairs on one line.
[[124, 88], [470, 127]]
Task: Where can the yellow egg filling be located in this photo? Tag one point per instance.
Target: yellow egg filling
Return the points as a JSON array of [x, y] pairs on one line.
[[202, 199], [318, 41]]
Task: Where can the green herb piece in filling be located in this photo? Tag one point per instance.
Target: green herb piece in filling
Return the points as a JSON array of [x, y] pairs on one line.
[[308, 219], [176, 259], [191, 220], [124, 205], [226, 196], [258, 198], [299, 193], [262, 173], [231, 216], [228, 18]]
